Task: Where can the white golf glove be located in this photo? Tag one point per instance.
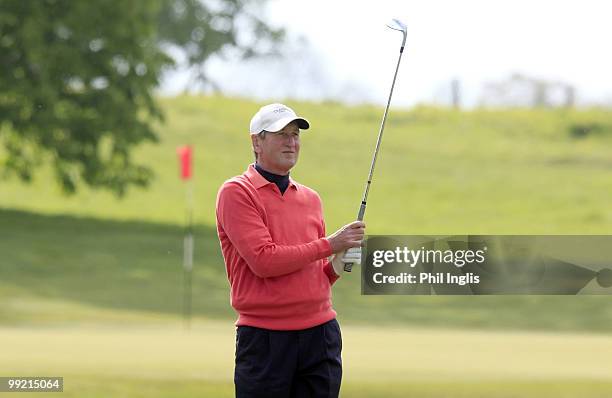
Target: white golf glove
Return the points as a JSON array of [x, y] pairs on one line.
[[337, 263], [352, 255]]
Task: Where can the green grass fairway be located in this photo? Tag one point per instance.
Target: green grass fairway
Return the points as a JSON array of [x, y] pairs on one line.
[[58, 269], [440, 171], [164, 361], [90, 285]]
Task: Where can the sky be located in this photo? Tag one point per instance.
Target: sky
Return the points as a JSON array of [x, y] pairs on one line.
[[342, 50]]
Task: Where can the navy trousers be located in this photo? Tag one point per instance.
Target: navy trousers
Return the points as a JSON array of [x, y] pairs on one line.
[[283, 364]]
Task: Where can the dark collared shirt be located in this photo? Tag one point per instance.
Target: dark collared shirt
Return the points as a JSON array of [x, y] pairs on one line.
[[282, 182]]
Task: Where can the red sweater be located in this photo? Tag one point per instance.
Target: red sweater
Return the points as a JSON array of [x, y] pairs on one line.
[[275, 253]]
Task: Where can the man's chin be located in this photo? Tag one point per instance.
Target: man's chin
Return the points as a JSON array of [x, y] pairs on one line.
[[289, 162]]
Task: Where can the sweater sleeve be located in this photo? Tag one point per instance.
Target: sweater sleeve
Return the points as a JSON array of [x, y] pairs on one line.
[[241, 221], [328, 268], [329, 271]]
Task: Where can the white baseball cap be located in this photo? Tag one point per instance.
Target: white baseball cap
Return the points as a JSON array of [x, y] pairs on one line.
[[274, 117]]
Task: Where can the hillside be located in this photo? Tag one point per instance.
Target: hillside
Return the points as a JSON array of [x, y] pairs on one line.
[[93, 256]]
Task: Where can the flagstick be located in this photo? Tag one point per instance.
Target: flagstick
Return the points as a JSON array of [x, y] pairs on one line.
[[188, 257]]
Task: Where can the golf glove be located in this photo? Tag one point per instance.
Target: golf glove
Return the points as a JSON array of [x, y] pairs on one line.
[[337, 263], [352, 255]]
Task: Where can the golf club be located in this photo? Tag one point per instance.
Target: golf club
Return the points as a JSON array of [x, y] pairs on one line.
[[395, 24]]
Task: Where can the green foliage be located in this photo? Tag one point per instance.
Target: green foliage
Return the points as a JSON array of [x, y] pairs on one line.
[[77, 80], [203, 29], [76, 87]]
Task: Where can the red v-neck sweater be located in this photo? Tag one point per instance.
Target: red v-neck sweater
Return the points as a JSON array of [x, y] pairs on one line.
[[275, 253]]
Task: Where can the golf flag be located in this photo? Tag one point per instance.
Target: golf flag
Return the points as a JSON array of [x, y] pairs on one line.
[[185, 155]]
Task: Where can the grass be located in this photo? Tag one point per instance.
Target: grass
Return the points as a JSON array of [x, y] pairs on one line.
[[58, 269], [90, 285], [439, 171], [162, 360]]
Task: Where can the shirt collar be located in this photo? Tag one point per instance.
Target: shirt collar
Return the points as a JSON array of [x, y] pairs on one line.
[[259, 181]]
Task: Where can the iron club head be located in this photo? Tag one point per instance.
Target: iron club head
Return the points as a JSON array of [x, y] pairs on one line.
[[396, 24]]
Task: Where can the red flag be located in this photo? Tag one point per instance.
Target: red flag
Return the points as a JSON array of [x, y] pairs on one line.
[[185, 155]]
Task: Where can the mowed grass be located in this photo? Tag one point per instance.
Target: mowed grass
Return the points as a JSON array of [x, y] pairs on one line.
[[439, 172], [66, 269], [163, 361], [90, 285]]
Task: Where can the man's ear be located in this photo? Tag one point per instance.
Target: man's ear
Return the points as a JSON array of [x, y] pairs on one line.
[[256, 146]]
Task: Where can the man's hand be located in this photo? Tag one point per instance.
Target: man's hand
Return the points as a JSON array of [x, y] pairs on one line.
[[351, 235], [352, 256]]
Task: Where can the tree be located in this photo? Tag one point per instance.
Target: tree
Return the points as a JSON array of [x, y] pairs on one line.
[[230, 27], [77, 78]]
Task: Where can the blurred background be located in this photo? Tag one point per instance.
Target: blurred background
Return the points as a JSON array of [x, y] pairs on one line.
[[501, 124]]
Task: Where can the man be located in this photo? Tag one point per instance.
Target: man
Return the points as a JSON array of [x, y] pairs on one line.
[[272, 235]]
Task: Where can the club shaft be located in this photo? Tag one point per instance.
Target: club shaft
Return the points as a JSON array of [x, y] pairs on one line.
[[362, 208]]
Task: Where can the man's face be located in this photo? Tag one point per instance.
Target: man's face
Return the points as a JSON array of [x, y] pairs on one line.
[[278, 152]]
